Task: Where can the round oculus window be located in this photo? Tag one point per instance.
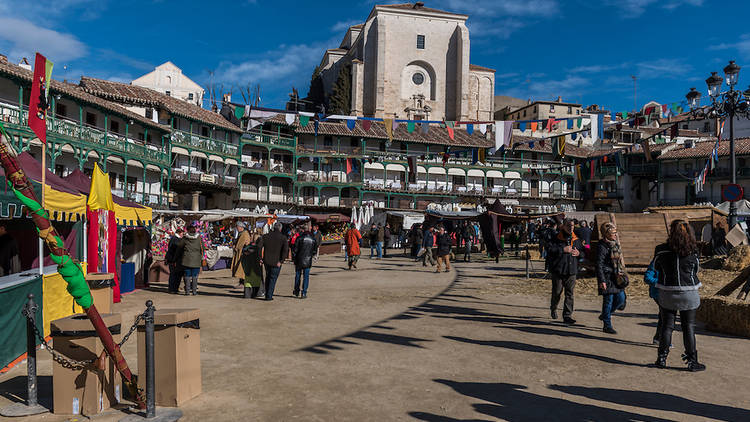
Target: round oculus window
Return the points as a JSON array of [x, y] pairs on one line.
[[417, 78]]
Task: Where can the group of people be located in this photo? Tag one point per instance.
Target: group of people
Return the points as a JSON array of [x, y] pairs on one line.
[[672, 275], [258, 259], [185, 258]]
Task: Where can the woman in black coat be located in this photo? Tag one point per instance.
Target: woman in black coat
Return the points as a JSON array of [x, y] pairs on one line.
[[609, 264]]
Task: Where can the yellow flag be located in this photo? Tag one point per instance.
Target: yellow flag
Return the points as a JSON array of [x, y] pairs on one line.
[[388, 128], [100, 196]]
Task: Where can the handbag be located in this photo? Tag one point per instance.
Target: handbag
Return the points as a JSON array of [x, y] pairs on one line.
[[622, 280]]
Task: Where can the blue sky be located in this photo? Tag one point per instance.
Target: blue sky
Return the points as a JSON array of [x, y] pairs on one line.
[[582, 50]]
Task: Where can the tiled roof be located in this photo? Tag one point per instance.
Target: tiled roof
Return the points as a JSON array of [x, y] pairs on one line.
[[522, 144], [481, 68], [411, 6], [704, 149], [75, 92], [436, 134], [137, 95]]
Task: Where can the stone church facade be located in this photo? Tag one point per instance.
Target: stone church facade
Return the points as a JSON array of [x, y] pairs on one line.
[[410, 61]]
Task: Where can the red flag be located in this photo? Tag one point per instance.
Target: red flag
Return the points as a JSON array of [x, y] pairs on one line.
[[550, 123], [366, 125], [38, 103], [348, 165], [450, 132]]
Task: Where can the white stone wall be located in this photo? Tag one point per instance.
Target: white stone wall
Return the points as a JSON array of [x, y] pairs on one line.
[[168, 77]]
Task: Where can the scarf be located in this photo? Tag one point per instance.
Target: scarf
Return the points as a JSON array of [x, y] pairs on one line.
[[616, 256]]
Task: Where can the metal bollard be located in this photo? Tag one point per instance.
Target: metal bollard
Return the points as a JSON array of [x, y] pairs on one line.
[[31, 407], [31, 309], [150, 379], [528, 259]]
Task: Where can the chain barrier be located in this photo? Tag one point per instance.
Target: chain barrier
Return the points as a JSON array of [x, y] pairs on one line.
[[62, 359]]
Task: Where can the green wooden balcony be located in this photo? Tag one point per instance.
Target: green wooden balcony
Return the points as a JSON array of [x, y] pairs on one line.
[[63, 131], [267, 138], [202, 143]]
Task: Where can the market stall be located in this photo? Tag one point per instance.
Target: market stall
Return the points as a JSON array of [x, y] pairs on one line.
[[332, 227]]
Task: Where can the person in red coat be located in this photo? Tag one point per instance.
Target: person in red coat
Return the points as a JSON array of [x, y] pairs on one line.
[[352, 239]]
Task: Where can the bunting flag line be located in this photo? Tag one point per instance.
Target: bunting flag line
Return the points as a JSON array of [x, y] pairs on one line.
[[351, 124], [533, 126], [366, 124], [305, 120], [469, 129], [522, 126], [483, 128], [410, 127], [289, 118]]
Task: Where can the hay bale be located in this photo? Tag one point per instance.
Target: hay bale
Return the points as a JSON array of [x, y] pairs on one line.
[[725, 315], [534, 254], [738, 259]]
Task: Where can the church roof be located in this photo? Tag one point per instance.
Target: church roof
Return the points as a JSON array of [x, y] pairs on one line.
[[481, 68], [137, 95], [416, 6], [436, 134]]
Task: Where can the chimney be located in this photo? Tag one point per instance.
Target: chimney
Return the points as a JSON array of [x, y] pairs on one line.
[[3, 58], [418, 5], [559, 99], [24, 63]]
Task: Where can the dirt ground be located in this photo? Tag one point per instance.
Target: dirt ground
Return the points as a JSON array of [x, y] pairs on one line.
[[395, 341]]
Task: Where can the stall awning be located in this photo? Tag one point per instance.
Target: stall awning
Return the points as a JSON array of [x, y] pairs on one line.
[[329, 218], [64, 203], [127, 213]]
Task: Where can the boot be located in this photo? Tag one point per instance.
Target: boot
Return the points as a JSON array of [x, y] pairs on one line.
[[691, 358], [661, 358], [248, 293]]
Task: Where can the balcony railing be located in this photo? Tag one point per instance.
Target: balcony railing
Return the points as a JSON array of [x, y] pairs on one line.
[[199, 176], [264, 138], [207, 145], [86, 135], [328, 149], [324, 177], [649, 169]]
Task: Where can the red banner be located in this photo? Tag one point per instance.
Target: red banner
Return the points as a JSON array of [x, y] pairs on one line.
[[38, 101]]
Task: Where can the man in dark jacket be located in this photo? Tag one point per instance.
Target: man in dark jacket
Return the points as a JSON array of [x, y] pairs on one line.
[[274, 250], [318, 239], [386, 239], [444, 244], [304, 250], [428, 242], [172, 258], [417, 236], [468, 237], [563, 252]]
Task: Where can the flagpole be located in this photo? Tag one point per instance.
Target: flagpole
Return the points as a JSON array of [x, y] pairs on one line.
[[44, 180]]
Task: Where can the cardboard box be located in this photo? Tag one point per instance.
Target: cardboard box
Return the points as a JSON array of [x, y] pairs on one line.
[[101, 285], [83, 391], [177, 356]]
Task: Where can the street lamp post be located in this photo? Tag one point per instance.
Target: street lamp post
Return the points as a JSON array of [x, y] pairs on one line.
[[727, 104]]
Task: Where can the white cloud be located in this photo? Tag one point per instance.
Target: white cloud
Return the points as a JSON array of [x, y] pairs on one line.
[[21, 38], [662, 68], [344, 25], [597, 68], [569, 87], [635, 8], [742, 46], [286, 66], [544, 8]]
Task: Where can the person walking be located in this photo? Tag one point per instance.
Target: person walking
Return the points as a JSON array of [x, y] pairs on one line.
[[428, 242], [318, 240], [192, 258], [304, 250], [417, 236], [564, 250], [372, 237], [676, 262], [386, 239], [609, 269], [352, 240], [252, 267], [274, 248], [468, 237], [243, 239], [444, 246], [173, 258]]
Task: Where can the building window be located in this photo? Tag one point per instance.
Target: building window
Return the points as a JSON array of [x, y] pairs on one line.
[[328, 142], [62, 111], [114, 126], [551, 109], [570, 110], [459, 180], [534, 109], [149, 113], [190, 96], [90, 119], [204, 131], [685, 126], [524, 113], [169, 93], [578, 111], [706, 127], [417, 78], [420, 42]]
